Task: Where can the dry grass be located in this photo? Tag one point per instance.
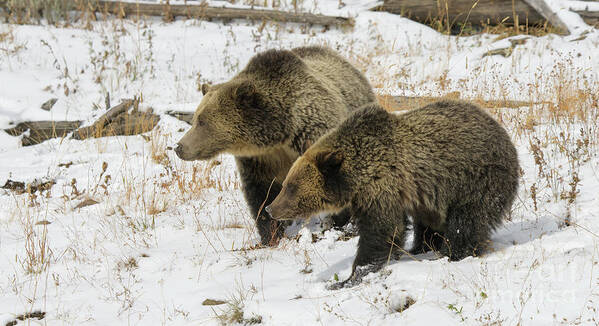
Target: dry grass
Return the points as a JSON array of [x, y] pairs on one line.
[[56, 12], [37, 249], [233, 312], [562, 137]]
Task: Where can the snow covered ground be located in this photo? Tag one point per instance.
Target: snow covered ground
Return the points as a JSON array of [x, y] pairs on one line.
[[166, 235]]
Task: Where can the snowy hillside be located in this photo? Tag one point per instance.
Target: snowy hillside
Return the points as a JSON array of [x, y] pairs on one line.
[[163, 240]]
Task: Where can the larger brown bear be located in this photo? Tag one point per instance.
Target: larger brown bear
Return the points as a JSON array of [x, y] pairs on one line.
[[268, 114], [449, 165]]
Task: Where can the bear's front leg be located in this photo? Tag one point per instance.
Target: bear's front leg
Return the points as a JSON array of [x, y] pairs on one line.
[[260, 189], [382, 237], [341, 219], [358, 272], [426, 239]]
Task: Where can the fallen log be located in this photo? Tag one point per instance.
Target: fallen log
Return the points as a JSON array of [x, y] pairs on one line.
[[205, 12], [129, 124], [398, 103], [181, 115], [40, 131], [589, 17], [199, 11], [460, 12], [104, 119], [542, 8], [118, 121]]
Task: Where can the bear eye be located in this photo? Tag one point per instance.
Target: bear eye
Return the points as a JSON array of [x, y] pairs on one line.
[[200, 123], [292, 189]]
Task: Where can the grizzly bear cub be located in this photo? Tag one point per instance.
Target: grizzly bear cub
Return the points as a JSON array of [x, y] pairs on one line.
[[449, 165], [269, 114]]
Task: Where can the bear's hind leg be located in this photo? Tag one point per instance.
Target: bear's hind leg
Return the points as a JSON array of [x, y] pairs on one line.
[[469, 226], [468, 230]]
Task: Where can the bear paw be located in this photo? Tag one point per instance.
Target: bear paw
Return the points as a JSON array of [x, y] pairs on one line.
[[357, 275]]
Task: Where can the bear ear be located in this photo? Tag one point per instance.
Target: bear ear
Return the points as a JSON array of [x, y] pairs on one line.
[[205, 88], [329, 162], [247, 95]]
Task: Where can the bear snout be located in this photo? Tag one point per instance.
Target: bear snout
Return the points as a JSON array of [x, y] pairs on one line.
[[182, 153], [268, 210], [280, 210], [273, 211], [178, 149]]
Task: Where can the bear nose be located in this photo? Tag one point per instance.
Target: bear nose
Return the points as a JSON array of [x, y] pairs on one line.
[[178, 149]]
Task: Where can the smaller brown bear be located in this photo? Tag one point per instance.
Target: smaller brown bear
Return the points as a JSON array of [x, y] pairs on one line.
[[449, 165]]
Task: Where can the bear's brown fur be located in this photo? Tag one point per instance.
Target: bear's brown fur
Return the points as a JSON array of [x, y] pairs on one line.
[[449, 165], [269, 113]]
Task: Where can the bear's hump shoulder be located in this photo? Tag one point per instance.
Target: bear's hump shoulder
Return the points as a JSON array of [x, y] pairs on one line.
[[367, 114], [313, 51], [274, 63]]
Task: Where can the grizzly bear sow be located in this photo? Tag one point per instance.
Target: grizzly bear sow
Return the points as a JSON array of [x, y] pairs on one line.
[[268, 114], [449, 165]]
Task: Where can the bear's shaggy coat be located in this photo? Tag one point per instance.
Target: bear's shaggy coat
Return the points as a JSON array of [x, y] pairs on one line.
[[449, 165]]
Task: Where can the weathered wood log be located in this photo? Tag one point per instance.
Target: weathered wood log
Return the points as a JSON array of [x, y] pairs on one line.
[[133, 123], [40, 131], [119, 122], [112, 113], [126, 124], [395, 103], [542, 8], [120, 8], [105, 119], [589, 17], [115, 122], [183, 116], [458, 12]]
